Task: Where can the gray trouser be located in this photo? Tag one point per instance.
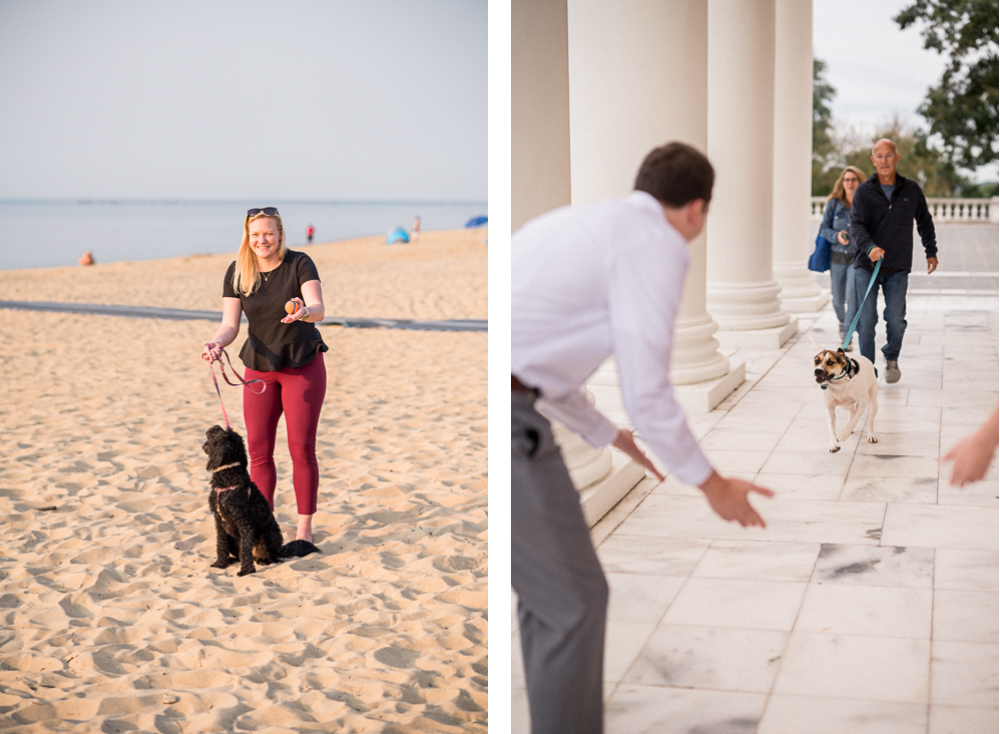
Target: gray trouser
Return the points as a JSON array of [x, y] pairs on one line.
[[562, 593]]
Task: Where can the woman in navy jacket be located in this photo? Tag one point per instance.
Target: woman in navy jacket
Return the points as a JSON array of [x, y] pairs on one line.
[[835, 229]]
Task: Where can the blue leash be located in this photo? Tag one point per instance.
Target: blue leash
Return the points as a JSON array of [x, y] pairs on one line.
[[854, 324]]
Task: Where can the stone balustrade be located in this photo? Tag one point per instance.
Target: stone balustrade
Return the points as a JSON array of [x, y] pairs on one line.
[[942, 210]]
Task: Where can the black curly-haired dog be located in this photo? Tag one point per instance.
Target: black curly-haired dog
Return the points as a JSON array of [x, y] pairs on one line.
[[245, 527]]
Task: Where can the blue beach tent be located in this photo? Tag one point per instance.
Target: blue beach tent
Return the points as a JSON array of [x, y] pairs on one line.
[[397, 235], [476, 222]]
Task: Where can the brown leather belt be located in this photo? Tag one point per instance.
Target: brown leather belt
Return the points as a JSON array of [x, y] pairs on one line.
[[517, 386]]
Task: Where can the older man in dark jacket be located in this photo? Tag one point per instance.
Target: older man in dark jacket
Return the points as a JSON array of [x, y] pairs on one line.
[[885, 207]]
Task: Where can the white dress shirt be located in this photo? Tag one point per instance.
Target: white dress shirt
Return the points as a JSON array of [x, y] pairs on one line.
[[586, 282]]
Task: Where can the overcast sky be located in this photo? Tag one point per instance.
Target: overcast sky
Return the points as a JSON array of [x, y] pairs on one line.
[[244, 99], [877, 69]]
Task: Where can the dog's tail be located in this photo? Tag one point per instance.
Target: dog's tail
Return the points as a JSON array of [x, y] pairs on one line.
[[297, 549]]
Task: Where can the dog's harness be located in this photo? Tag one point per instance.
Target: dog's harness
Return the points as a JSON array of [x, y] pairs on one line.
[[850, 371], [226, 466]]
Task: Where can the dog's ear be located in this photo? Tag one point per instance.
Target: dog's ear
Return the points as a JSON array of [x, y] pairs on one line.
[[840, 350]]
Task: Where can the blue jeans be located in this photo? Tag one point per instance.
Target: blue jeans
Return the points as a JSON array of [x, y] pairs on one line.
[[894, 292], [843, 292]]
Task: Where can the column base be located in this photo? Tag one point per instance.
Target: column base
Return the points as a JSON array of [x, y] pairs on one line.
[[800, 293], [598, 499], [703, 397], [773, 338], [810, 304], [752, 306], [695, 356], [586, 465]]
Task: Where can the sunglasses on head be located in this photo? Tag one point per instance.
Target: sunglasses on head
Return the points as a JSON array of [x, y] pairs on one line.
[[269, 211]]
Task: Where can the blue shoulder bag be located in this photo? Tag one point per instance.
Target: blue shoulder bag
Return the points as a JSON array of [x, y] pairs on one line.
[[819, 261]]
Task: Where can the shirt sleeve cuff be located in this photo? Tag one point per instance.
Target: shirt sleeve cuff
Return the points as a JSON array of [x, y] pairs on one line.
[[696, 471], [602, 434]]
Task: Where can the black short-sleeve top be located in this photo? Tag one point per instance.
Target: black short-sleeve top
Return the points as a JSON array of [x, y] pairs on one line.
[[272, 345]]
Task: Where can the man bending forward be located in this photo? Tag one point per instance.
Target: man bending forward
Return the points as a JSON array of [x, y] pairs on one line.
[[586, 282]]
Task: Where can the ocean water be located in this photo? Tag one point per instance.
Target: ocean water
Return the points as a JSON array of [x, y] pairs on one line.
[[35, 234]]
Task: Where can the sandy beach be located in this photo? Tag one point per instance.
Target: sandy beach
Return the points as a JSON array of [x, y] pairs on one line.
[[113, 620]]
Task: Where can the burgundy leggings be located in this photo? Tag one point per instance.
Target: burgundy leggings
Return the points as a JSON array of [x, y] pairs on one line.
[[299, 393]]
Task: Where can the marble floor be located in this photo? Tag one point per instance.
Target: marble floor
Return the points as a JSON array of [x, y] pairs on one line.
[[869, 603]]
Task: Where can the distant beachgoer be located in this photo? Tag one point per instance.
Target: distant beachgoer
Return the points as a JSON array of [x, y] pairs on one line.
[[87, 258], [415, 234], [283, 350], [309, 234]]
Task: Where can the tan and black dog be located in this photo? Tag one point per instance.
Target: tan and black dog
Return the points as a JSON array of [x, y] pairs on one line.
[[850, 383]]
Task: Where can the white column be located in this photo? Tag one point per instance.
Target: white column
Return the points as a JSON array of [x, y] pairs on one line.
[[742, 292], [540, 181], [638, 76], [793, 157], [601, 476], [539, 109]]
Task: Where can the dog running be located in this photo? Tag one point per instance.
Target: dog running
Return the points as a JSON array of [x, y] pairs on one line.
[[244, 523], [850, 383]]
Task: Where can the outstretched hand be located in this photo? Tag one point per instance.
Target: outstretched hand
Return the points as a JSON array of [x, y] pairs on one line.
[[625, 442], [972, 457], [728, 497], [973, 454], [298, 313]]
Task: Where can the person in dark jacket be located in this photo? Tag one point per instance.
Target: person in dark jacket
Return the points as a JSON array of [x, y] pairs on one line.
[[885, 207]]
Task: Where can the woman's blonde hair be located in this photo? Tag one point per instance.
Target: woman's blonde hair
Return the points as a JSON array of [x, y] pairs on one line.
[[246, 279], [838, 188]]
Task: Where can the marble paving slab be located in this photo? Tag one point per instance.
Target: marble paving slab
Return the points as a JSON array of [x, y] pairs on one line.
[[709, 658], [821, 715], [855, 666], [859, 565]]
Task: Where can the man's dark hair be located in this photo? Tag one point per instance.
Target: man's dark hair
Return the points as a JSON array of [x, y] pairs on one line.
[[676, 174]]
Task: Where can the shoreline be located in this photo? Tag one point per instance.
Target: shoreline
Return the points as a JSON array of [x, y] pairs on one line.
[[353, 272], [301, 246]]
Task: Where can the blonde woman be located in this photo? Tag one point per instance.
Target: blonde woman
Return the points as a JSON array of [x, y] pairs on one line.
[[283, 350], [835, 229]]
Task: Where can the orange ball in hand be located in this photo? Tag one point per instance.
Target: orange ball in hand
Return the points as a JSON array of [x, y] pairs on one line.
[[291, 307]]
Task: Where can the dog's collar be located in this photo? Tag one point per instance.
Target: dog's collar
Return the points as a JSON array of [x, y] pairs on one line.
[[227, 466], [850, 371], [225, 489]]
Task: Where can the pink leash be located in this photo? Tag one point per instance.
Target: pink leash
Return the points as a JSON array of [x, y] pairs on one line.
[[222, 366]]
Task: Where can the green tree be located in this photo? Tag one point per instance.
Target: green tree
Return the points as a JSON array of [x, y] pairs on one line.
[[833, 150], [925, 164], [962, 108], [823, 145]]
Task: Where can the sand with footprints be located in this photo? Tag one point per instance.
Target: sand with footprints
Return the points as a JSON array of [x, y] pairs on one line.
[[113, 620]]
